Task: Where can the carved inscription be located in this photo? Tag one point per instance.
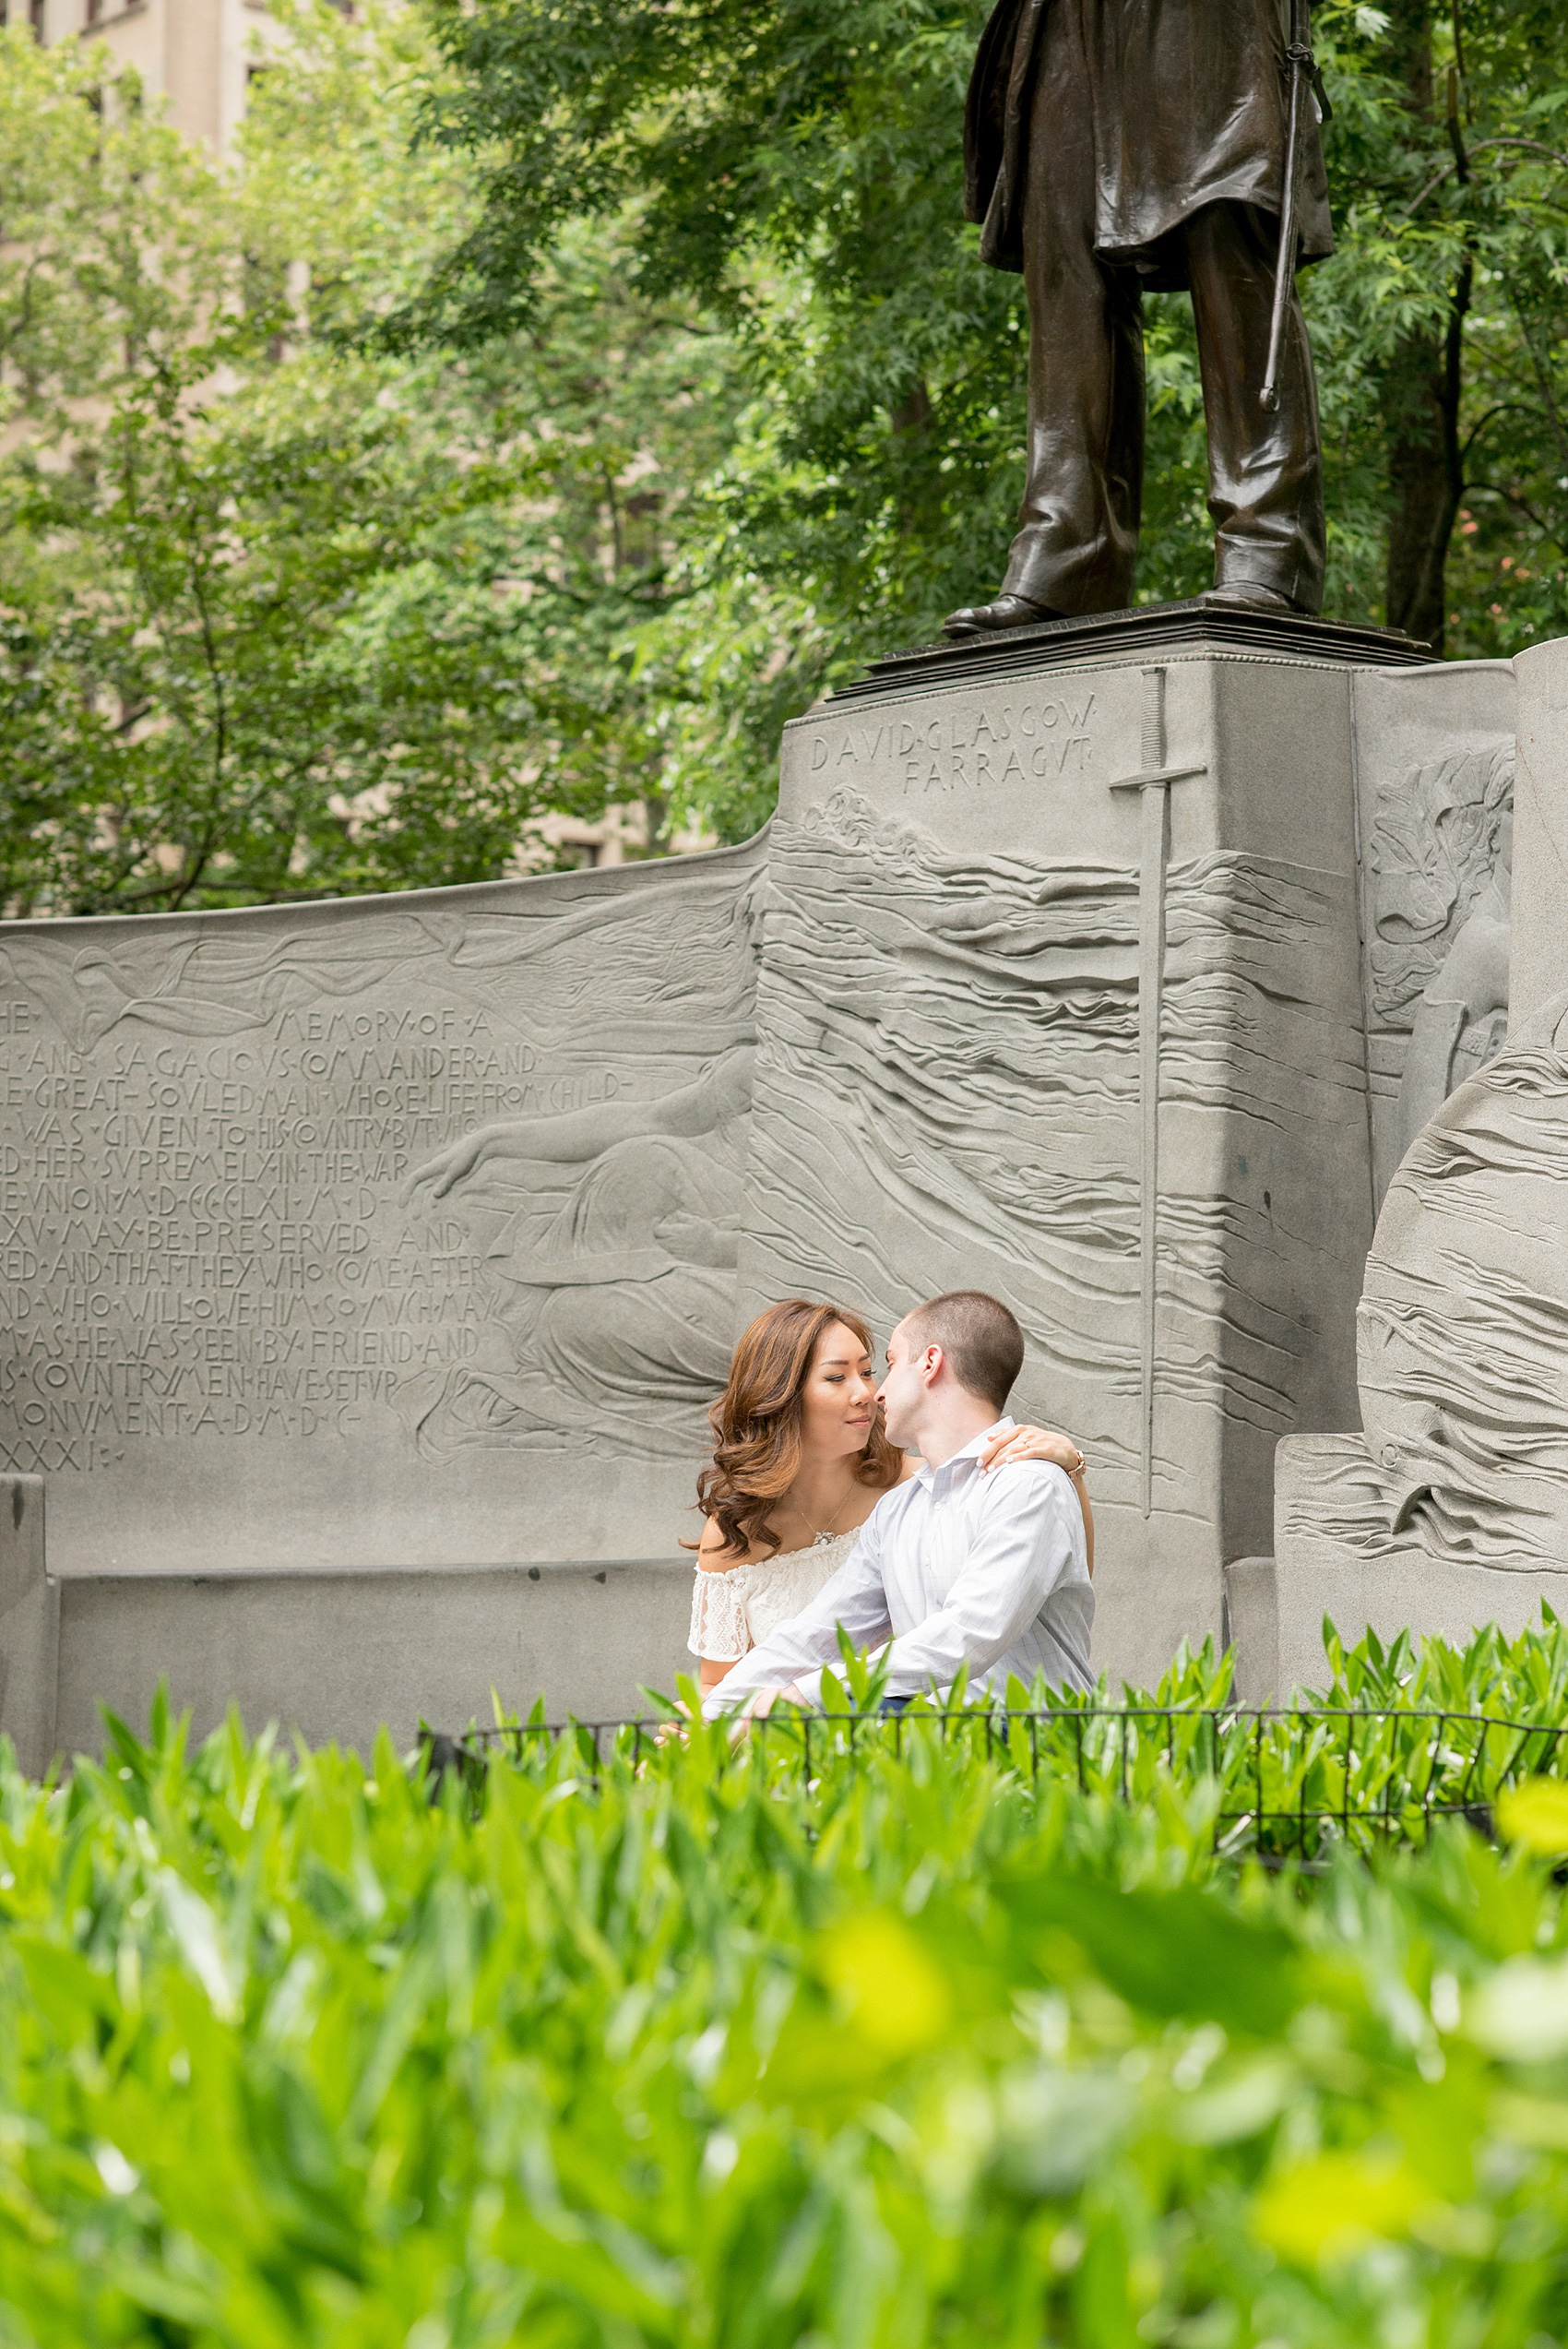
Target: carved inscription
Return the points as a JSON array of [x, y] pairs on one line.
[[188, 1237], [1045, 739], [406, 1182]]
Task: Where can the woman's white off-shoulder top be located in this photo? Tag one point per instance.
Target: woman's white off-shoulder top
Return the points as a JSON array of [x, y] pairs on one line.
[[734, 1612]]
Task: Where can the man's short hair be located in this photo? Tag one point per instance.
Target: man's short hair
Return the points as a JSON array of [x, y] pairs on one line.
[[981, 1340]]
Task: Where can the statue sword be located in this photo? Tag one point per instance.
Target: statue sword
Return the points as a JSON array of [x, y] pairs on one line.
[[1305, 77], [1152, 782]]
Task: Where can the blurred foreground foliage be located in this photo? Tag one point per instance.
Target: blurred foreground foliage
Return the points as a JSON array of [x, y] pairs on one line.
[[666, 2053]]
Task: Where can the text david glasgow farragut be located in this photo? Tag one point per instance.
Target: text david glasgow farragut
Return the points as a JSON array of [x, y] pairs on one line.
[[979, 750]]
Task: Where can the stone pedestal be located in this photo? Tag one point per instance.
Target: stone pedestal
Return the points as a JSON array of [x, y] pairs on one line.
[[1450, 1509], [1540, 909], [1060, 997], [367, 1269], [29, 1624]]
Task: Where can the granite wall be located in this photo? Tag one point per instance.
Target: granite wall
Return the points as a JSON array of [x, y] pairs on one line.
[[366, 1269], [316, 1220]]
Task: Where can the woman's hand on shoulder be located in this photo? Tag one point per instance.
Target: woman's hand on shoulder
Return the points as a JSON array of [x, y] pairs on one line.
[[1033, 1443], [712, 1556]]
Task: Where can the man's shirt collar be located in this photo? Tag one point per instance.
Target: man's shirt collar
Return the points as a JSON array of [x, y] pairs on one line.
[[925, 1474]]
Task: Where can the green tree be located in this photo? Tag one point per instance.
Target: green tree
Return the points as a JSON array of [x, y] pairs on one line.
[[794, 166], [281, 617], [541, 416], [197, 528], [1441, 322]]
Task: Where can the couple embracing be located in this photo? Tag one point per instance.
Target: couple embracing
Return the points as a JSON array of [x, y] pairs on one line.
[[897, 1501]]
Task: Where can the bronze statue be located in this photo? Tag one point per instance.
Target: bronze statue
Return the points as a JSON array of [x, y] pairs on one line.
[[1112, 145]]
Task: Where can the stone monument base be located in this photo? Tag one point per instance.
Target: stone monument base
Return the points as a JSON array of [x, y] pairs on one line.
[[1062, 995], [326, 1655], [1336, 1557], [371, 1266]]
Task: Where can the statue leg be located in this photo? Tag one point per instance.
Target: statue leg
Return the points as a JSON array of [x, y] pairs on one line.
[[1265, 471], [1078, 542]]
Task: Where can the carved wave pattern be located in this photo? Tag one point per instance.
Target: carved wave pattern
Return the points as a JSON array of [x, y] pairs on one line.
[[215, 1165], [1464, 1321], [948, 1094], [210, 983]]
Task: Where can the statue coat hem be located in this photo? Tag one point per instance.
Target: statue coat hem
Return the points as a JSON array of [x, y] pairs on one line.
[[1158, 164]]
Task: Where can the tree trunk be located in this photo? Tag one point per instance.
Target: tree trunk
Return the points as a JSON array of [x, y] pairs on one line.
[[912, 417], [1421, 392], [655, 818], [1426, 480]]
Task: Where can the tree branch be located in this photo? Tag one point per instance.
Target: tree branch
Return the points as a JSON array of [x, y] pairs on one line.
[[1461, 162]]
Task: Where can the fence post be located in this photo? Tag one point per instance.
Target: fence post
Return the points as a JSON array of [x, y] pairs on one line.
[[1389, 1811]]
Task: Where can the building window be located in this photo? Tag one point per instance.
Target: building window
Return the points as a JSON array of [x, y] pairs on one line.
[[35, 17], [94, 11]]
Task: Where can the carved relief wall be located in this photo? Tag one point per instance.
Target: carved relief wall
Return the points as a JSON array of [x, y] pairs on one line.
[[1451, 1510], [1464, 1320], [418, 1230], [948, 1094], [1461, 1476], [949, 1057], [957, 1040], [1441, 868], [379, 1232], [1436, 762], [608, 1236]]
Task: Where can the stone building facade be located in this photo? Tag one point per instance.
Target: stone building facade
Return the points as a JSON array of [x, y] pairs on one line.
[[197, 55]]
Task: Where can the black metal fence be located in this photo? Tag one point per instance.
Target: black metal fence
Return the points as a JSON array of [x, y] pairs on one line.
[[1279, 1783]]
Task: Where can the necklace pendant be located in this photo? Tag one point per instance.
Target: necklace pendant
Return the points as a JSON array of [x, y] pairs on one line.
[[821, 1541]]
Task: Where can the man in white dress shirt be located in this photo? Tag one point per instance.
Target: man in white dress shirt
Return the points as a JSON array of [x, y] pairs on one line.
[[957, 1566]]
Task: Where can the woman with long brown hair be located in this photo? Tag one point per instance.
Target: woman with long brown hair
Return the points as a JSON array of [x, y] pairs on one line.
[[799, 1463]]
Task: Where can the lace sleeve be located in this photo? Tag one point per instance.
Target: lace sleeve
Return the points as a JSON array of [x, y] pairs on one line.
[[720, 1630]]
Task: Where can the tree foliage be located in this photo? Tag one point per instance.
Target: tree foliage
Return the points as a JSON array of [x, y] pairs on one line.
[[558, 398], [795, 166], [282, 617]]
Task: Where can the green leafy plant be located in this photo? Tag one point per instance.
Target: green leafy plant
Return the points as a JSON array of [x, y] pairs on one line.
[[1404, 1736], [644, 2047]]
